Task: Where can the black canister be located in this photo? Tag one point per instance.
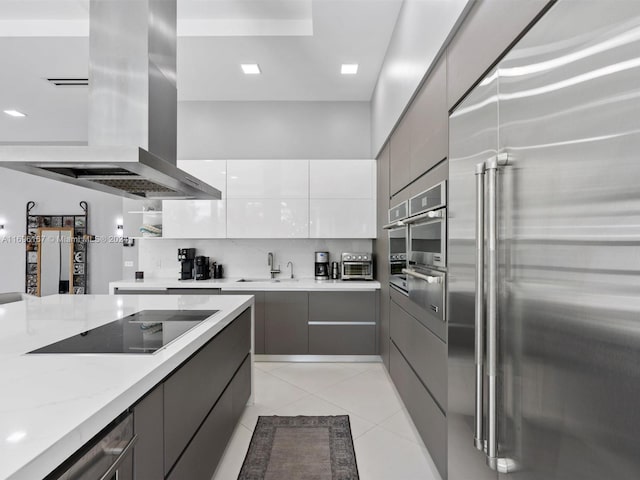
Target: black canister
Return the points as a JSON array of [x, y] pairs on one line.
[[218, 270]]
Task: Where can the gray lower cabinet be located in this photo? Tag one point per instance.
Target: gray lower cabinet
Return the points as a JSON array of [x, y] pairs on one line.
[[259, 317], [425, 352], [286, 315], [343, 323], [428, 418], [148, 425], [184, 423], [191, 391], [200, 459]]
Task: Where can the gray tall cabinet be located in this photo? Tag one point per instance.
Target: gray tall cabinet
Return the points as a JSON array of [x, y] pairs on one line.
[[414, 158]]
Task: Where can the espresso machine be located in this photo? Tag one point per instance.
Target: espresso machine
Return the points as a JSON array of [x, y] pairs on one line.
[[203, 270], [322, 266], [187, 259]]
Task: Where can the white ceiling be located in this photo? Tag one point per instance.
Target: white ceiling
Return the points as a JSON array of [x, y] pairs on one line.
[[299, 44]]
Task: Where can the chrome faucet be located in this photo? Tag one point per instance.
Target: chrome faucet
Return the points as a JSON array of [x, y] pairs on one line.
[[270, 262], [290, 264]]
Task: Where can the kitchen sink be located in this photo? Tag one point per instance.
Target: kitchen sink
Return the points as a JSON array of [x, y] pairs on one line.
[[268, 280]]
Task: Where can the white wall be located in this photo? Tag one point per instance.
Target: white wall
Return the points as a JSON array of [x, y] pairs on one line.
[[244, 258], [233, 130], [422, 29], [16, 189]]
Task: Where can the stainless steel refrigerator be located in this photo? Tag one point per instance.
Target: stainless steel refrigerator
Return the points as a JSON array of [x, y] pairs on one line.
[[544, 197]]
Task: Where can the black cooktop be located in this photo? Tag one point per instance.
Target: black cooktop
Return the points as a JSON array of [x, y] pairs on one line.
[[145, 331]]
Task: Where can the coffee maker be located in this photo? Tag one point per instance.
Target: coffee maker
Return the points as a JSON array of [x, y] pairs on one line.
[[203, 271], [187, 258], [322, 266]]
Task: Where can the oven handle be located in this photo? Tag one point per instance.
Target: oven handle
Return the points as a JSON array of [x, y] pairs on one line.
[[426, 278], [391, 226], [422, 216], [122, 455]]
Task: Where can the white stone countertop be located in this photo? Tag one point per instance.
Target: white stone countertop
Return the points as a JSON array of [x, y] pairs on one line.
[[232, 284], [52, 404]]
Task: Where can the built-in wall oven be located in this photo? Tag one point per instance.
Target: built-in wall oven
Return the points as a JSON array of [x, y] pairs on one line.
[[398, 237], [427, 258]]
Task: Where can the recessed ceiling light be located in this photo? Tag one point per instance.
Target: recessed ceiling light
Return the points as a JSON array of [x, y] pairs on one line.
[[250, 68], [349, 69], [15, 113]]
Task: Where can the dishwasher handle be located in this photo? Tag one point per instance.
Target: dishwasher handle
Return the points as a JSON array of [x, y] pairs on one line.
[[122, 455]]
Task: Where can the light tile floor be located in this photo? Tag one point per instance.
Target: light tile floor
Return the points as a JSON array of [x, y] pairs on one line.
[[387, 445]]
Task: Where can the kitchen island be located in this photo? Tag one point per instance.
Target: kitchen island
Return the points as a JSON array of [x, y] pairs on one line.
[[53, 404]]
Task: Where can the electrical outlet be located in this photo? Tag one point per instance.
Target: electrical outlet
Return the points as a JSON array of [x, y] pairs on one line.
[[128, 263]]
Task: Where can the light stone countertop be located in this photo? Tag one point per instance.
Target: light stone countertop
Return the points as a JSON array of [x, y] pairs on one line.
[[232, 284], [52, 404]]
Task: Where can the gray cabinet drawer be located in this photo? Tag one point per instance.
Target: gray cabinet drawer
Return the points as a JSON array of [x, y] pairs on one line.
[[201, 457], [190, 392], [286, 317], [259, 317], [342, 339], [427, 417], [426, 353], [342, 306], [430, 321]]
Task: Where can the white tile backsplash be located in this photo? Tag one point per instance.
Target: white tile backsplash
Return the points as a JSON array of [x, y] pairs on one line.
[[245, 257]]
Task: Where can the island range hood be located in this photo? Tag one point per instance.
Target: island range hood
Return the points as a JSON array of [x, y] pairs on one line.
[[132, 115]]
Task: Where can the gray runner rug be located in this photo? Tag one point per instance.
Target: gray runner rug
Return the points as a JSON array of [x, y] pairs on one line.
[[301, 448]]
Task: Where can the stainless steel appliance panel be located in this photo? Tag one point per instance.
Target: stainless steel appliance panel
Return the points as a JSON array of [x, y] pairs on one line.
[[431, 199], [110, 457], [473, 138], [427, 290], [399, 212], [568, 212], [428, 240], [569, 309]]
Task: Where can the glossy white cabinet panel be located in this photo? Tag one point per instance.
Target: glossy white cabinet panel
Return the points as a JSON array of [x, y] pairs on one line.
[[198, 218], [267, 218], [342, 178], [194, 219], [213, 172], [268, 178], [342, 218]]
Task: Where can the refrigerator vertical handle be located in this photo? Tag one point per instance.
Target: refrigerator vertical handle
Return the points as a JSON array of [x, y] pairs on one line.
[[478, 433], [491, 167]]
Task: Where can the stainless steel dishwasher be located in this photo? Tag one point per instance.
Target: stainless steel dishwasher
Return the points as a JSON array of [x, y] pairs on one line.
[[108, 457]]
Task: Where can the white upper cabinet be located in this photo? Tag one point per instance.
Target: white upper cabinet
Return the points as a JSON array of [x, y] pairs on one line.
[[267, 218], [342, 199], [198, 218], [342, 178], [268, 178], [268, 198]]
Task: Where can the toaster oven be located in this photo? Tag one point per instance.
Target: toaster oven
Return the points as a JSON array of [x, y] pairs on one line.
[[357, 266]]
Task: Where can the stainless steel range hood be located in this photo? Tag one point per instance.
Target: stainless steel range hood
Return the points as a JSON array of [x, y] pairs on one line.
[[131, 148]]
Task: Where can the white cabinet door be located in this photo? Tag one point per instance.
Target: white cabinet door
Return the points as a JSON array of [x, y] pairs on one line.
[[342, 199], [194, 219], [268, 178], [267, 218], [198, 218], [342, 218], [342, 178]]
